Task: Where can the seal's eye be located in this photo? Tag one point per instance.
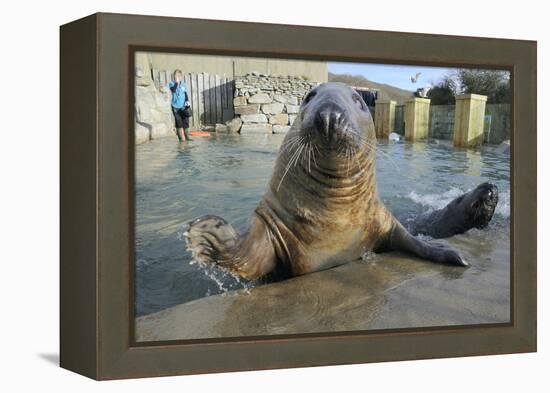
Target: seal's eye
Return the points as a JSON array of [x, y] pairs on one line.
[[359, 102], [310, 96]]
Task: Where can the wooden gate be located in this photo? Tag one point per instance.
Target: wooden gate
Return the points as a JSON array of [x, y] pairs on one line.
[[211, 96]]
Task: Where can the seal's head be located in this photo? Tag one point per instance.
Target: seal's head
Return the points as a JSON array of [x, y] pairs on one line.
[[335, 117], [478, 205], [333, 139]]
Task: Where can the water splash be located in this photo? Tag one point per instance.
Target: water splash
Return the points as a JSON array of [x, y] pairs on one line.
[[225, 280], [368, 256], [180, 235], [435, 201], [424, 238], [439, 201], [503, 207]]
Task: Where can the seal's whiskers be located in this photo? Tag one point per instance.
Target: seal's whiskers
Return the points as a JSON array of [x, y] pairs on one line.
[[313, 148], [292, 161], [348, 159], [290, 143], [309, 150]]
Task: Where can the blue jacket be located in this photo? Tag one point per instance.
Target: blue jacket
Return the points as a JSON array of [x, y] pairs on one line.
[[179, 94]]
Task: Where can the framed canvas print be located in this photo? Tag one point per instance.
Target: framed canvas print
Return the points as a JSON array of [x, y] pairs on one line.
[[241, 196]]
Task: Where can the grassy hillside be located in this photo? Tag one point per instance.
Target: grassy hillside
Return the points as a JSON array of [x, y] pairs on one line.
[[386, 91]]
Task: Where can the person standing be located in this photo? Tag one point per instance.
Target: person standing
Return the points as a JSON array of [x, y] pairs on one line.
[[180, 105]]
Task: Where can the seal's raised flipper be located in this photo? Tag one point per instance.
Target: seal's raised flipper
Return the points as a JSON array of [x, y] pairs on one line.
[[210, 238], [400, 239], [213, 240]]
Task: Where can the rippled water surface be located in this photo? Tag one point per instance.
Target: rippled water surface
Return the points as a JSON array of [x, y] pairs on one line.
[[227, 174]]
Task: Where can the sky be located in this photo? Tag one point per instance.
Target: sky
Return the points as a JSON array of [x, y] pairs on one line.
[[395, 75]]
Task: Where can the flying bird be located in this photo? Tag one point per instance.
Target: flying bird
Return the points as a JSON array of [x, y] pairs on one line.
[[414, 79]]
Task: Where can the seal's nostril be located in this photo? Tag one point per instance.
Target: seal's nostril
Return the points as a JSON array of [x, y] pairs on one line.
[[325, 121], [328, 119], [322, 121]]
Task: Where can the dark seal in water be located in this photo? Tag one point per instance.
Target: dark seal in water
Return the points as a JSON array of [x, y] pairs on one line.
[[473, 209]]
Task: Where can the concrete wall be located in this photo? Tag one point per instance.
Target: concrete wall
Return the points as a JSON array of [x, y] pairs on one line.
[[232, 66], [442, 117], [497, 122], [496, 127], [399, 124]]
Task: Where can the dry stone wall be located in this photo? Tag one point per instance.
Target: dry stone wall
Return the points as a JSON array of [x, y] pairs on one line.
[[267, 104]]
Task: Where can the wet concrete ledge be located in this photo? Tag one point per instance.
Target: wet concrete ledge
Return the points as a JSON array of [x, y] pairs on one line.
[[386, 291]]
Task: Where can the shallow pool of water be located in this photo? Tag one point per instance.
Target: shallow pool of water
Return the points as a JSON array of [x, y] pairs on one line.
[[227, 174]]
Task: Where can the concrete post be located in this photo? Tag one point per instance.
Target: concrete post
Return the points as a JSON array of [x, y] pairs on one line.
[[417, 119], [384, 118], [469, 120]]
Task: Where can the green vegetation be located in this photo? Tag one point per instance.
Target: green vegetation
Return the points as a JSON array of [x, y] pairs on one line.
[[443, 93], [494, 84]]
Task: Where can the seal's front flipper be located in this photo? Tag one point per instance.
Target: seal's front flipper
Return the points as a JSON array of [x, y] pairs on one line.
[[210, 238], [401, 240], [213, 240]]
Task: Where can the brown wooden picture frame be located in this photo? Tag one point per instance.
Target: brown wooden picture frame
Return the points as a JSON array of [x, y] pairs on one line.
[[97, 147]]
